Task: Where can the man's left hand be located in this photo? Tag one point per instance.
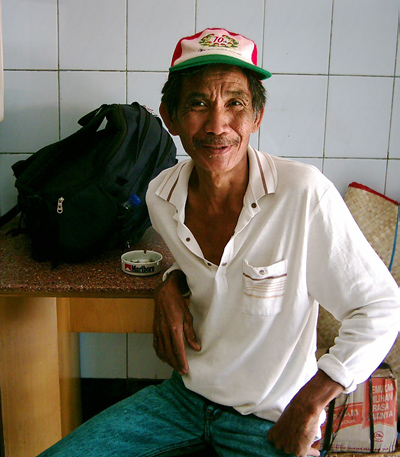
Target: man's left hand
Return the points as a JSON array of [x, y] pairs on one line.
[[297, 428], [295, 431]]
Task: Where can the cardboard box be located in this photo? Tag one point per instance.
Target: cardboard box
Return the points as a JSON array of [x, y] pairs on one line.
[[352, 421]]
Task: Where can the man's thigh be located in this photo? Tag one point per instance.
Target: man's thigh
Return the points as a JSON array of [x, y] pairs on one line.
[[235, 435], [159, 420]]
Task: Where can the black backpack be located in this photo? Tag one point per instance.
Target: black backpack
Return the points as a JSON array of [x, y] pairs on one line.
[[86, 193]]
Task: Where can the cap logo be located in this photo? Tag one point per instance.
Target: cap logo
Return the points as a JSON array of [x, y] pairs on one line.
[[217, 46], [218, 41]]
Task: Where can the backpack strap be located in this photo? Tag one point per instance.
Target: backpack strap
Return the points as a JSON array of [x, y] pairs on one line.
[[94, 119], [9, 215]]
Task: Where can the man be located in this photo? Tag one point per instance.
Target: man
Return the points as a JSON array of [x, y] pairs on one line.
[[258, 241]]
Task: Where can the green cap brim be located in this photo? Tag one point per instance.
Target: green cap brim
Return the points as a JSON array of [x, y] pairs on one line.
[[218, 58]]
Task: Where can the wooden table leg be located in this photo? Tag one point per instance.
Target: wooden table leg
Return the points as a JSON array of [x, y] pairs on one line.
[[33, 356], [70, 373]]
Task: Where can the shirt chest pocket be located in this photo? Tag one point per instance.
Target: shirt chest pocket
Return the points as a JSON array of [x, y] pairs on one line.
[[264, 288]]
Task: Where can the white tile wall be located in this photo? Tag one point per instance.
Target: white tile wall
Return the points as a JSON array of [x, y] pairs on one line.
[[30, 34], [154, 28], [295, 115], [367, 171], [394, 148], [358, 116], [103, 355], [31, 111], [235, 16], [84, 91], [92, 36], [364, 37], [334, 100], [142, 360], [297, 36]]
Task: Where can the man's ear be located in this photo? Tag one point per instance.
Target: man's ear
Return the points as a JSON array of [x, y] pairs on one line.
[[258, 119], [168, 120]]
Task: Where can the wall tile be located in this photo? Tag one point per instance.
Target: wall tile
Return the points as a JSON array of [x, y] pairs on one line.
[[30, 34], [394, 148], [342, 172], [358, 116], [82, 91], [318, 163], [297, 36], [103, 355], [154, 28], [295, 115], [393, 181], [93, 37], [145, 88], [31, 111], [398, 49], [8, 191], [364, 37], [142, 360], [235, 16]]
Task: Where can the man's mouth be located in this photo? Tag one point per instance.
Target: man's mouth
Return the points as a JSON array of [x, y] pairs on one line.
[[216, 143]]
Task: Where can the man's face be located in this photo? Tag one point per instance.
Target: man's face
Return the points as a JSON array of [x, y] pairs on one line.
[[215, 118]]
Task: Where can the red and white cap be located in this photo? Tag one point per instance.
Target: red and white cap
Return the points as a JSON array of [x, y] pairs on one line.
[[217, 46]]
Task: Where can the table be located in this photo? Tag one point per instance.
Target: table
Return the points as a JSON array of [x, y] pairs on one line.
[[42, 311]]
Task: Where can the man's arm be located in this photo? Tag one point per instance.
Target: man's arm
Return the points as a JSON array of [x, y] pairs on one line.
[[173, 322], [296, 429]]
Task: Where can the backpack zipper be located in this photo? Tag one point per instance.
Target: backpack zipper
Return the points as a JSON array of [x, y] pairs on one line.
[[60, 208]]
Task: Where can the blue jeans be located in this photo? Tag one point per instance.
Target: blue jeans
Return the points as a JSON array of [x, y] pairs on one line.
[[167, 420]]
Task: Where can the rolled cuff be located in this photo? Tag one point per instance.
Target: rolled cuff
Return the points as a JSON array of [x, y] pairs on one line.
[[172, 268], [337, 372]]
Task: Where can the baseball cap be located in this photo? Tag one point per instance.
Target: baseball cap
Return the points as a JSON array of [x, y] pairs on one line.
[[217, 46]]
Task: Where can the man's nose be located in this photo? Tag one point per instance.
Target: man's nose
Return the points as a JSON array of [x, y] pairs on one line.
[[217, 120]]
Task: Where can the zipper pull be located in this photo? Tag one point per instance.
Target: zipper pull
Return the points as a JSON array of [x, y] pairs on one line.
[[60, 208]]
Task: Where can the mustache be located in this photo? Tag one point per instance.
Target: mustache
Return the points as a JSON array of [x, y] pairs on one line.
[[215, 141]]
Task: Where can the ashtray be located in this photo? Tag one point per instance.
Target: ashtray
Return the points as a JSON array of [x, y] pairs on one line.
[[141, 263]]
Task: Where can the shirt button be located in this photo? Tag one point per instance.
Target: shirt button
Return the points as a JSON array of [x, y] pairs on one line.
[[224, 264], [261, 272], [188, 239], [209, 264], [254, 205]]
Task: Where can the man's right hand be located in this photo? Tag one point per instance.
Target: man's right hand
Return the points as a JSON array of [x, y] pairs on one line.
[[173, 323]]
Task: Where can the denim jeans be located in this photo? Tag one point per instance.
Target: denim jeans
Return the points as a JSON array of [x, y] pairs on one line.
[[167, 420]]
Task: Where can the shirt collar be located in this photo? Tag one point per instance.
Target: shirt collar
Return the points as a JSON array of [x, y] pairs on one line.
[[262, 179]]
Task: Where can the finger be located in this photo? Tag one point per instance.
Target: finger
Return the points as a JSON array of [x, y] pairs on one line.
[[179, 352], [190, 334], [313, 452], [175, 353]]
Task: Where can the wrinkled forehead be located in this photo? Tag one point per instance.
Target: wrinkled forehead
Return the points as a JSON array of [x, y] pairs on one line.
[[216, 78]]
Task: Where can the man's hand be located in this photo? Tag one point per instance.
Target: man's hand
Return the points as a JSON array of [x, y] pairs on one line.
[[296, 429], [173, 323]]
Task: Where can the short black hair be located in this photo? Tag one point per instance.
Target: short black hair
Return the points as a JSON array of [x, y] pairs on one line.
[[172, 88]]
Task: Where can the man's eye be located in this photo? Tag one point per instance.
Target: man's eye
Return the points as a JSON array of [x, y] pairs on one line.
[[197, 104]]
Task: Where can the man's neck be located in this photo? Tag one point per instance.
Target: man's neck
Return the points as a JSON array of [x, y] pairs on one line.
[[220, 190]]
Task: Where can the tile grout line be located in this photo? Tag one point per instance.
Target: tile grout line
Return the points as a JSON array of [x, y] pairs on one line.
[[392, 107], [58, 70], [126, 49], [327, 88]]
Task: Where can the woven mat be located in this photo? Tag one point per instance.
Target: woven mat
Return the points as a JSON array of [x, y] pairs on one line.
[[376, 215]]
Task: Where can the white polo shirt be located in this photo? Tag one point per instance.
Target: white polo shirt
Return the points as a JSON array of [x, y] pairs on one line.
[[255, 314]]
